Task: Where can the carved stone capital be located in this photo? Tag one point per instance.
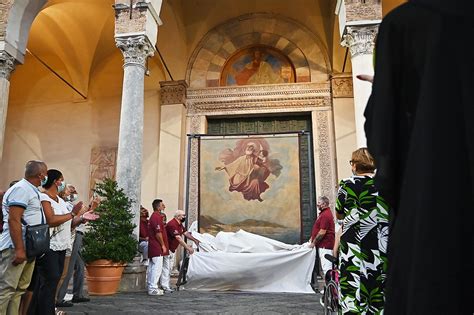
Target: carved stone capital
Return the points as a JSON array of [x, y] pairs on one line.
[[360, 39], [7, 65], [173, 92], [135, 50]]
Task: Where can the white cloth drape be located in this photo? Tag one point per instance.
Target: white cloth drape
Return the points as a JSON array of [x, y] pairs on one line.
[[249, 262]]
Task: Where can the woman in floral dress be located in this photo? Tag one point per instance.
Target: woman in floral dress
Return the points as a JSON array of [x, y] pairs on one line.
[[363, 244]]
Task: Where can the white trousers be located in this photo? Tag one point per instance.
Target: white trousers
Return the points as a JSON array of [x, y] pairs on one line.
[[143, 248], [326, 265], [168, 263], [154, 269]]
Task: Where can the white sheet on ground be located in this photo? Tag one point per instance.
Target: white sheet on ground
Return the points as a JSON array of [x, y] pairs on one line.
[[249, 262]]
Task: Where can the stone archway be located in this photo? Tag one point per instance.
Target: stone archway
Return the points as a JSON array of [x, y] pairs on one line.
[[303, 48], [16, 17], [15, 23]]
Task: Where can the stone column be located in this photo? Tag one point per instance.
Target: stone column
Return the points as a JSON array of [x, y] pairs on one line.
[[135, 49], [358, 25], [7, 65], [360, 41], [136, 31], [172, 143]]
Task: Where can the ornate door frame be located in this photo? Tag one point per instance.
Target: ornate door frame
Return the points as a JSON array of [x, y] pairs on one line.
[[314, 98]]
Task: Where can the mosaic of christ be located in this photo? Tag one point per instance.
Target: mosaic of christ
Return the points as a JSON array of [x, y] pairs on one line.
[[257, 65]]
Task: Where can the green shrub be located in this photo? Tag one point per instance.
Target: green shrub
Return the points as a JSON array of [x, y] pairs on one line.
[[110, 236]]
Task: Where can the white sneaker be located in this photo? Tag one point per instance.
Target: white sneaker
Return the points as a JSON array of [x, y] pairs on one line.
[[321, 292], [155, 292], [145, 262]]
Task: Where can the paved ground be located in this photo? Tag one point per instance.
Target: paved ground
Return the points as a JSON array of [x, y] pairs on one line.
[[194, 302]]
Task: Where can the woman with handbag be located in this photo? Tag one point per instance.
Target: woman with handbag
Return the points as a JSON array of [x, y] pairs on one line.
[[50, 265]]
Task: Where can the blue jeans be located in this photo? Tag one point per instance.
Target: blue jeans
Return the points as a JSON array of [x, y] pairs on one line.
[[76, 266]]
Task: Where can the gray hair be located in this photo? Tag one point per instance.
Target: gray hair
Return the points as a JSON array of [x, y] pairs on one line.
[[33, 168], [324, 199], [178, 213]]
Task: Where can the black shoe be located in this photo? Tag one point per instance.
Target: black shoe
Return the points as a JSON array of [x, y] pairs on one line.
[[64, 304], [80, 300]]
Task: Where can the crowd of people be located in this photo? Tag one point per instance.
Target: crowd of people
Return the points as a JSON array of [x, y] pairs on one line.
[[37, 284], [159, 240]]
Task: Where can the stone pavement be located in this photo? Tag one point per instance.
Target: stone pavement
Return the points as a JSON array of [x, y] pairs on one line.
[[199, 302]]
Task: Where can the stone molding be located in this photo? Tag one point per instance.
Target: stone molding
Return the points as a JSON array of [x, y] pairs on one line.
[[173, 92], [259, 98], [195, 126], [342, 86], [135, 49], [324, 151], [7, 65], [193, 204], [360, 39]]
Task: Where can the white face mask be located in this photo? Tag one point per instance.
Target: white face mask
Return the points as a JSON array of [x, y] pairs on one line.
[[73, 197]]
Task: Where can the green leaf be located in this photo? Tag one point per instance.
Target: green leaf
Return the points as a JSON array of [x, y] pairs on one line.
[[111, 236]]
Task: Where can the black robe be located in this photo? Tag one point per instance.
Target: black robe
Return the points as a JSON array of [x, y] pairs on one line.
[[420, 129]]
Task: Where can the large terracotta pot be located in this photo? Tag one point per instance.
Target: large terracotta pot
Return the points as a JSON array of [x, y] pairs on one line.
[[103, 277]]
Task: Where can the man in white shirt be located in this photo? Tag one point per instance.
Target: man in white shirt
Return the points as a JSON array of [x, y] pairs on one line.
[[21, 201]]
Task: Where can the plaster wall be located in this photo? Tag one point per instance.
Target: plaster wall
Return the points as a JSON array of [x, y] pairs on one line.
[[345, 131]]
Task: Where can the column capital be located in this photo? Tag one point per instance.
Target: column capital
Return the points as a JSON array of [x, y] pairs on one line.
[[135, 49], [173, 92], [7, 65], [360, 39]]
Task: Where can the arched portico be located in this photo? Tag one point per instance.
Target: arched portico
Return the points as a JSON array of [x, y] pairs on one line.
[[15, 23]]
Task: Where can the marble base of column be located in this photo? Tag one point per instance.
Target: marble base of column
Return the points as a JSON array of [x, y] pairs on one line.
[[133, 277]]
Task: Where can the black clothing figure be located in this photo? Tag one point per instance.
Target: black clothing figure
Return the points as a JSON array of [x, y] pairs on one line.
[[420, 130]]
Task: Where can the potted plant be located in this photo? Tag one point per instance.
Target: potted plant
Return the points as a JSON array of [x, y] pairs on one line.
[[109, 243]]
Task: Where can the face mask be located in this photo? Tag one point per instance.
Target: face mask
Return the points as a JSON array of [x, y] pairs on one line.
[[73, 197], [44, 180], [183, 219], [61, 187]]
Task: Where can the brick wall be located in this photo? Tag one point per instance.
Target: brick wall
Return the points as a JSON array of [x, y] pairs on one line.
[[5, 6], [126, 23], [357, 10]]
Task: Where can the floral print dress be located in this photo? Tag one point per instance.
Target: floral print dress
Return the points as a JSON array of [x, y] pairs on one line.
[[363, 246]]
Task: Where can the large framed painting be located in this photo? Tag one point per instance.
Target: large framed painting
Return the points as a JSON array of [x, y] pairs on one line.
[[257, 65], [251, 183]]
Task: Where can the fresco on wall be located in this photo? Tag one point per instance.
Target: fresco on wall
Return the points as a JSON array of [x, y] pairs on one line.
[[251, 183], [257, 65]]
